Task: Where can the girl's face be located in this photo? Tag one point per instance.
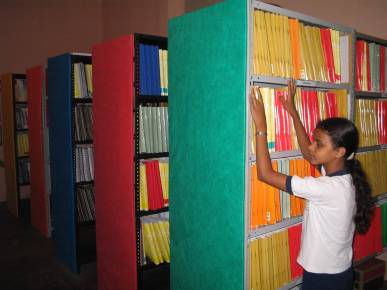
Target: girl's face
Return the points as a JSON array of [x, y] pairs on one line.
[[322, 150]]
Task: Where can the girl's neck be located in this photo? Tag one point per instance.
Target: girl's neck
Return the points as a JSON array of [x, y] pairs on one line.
[[334, 166]]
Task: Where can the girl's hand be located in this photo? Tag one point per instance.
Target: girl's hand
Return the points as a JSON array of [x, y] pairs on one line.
[[289, 102], [257, 109]]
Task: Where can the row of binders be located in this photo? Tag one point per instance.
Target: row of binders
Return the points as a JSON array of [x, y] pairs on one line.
[[273, 259], [374, 164], [23, 171], [86, 203], [21, 118], [155, 239], [83, 80], [371, 64], [153, 70], [269, 205], [153, 129], [311, 105], [84, 163], [154, 185], [285, 47], [22, 144], [83, 117], [371, 120], [20, 90]]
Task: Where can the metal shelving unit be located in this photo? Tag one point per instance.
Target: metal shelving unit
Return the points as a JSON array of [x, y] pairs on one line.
[[274, 82]]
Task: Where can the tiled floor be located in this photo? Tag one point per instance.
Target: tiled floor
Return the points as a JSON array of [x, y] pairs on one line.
[[27, 260]]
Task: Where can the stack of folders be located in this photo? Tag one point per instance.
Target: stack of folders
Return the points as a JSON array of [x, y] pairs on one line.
[[154, 186], [83, 115], [22, 144], [285, 47], [371, 63], [84, 163], [86, 203], [83, 80], [153, 129], [311, 105], [273, 259], [21, 90], [153, 70], [155, 239], [371, 120], [374, 164], [383, 209], [21, 117], [23, 171], [270, 205], [371, 242]]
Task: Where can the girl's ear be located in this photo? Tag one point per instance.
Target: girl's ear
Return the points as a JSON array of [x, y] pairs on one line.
[[340, 152]]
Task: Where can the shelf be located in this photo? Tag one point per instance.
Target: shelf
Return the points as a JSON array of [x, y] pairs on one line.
[[366, 94], [153, 266], [292, 284], [152, 212], [140, 99], [151, 155], [275, 227], [365, 259], [368, 38], [21, 130], [23, 157], [82, 100], [21, 103], [280, 154], [86, 224], [279, 81], [80, 183], [371, 148], [84, 142], [156, 277], [24, 184], [381, 199]]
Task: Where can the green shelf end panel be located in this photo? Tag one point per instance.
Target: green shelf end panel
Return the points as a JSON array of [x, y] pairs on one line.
[[207, 84]]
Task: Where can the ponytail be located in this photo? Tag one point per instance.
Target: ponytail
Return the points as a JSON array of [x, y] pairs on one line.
[[343, 133], [364, 201]]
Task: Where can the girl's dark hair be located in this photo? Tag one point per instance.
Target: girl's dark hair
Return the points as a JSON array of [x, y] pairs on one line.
[[343, 133]]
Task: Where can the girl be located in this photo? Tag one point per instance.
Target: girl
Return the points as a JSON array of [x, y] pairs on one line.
[[338, 203]]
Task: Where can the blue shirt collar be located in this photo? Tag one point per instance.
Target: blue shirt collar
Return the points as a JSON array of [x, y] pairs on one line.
[[338, 173]]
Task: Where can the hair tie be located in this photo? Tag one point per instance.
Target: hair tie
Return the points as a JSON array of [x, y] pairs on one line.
[[351, 156]]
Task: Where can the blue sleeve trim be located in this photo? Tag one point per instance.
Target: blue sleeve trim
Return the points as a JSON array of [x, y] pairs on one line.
[[289, 184]]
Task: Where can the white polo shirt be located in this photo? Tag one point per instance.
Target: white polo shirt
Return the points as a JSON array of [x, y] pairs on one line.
[[328, 226]]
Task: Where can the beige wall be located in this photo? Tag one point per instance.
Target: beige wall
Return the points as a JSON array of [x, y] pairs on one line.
[[120, 17], [32, 31]]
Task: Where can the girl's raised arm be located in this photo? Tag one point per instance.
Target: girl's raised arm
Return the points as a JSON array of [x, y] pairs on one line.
[[265, 171], [302, 137]]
